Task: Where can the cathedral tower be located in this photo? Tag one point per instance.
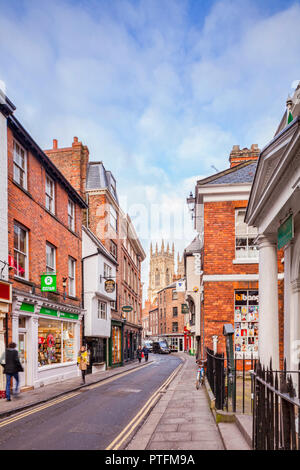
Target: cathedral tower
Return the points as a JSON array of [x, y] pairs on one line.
[[161, 269]]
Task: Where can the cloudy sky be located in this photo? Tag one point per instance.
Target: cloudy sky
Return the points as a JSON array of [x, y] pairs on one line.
[[160, 90]]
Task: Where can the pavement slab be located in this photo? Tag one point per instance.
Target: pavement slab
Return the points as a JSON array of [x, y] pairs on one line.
[[186, 421]]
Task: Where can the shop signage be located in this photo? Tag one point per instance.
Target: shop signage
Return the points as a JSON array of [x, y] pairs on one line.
[[5, 292], [184, 308], [48, 282], [27, 307], [180, 286], [285, 232], [109, 286], [55, 313], [245, 296], [127, 308]]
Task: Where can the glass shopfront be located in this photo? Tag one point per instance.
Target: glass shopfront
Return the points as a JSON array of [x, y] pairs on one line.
[[56, 342], [116, 344], [246, 324]]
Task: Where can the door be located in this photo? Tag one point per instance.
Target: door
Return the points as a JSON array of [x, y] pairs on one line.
[[180, 344], [22, 347]]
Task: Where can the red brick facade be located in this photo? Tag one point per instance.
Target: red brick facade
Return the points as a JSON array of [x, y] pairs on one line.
[[26, 207], [170, 318], [218, 260]]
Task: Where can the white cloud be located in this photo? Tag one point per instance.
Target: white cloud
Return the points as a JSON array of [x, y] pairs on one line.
[[157, 95]]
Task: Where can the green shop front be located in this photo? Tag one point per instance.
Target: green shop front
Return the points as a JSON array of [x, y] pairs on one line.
[[48, 338]]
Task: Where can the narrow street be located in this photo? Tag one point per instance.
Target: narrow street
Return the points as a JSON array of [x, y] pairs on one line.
[[89, 419]]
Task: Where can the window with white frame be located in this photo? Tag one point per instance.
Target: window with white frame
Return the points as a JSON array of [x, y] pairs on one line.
[[113, 249], [50, 258], [20, 165], [71, 215], [72, 273], [244, 237], [101, 310], [174, 294], [113, 218], [50, 195], [107, 271], [20, 251]]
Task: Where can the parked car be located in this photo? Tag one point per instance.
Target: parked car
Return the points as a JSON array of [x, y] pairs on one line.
[[161, 347]]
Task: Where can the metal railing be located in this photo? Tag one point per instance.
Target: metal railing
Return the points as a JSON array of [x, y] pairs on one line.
[[215, 374], [232, 388], [276, 423]]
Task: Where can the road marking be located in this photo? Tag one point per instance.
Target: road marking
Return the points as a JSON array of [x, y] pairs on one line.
[[35, 410], [116, 443], [24, 414]]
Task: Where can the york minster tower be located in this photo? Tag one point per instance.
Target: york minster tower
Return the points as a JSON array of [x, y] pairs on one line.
[[162, 269]]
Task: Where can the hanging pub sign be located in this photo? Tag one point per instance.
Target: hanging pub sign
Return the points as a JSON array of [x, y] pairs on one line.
[[184, 308], [109, 286], [127, 308], [285, 232], [48, 282]]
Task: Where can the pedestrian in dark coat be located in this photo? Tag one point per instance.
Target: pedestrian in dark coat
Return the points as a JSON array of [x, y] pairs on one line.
[[12, 367], [146, 353], [139, 353]]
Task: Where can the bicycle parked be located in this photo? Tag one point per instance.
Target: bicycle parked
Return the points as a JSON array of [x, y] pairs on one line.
[[200, 375]]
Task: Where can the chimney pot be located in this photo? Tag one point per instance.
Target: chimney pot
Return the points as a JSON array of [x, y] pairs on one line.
[[54, 144], [75, 139]]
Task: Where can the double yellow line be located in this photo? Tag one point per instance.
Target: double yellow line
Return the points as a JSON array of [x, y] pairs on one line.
[[37, 409], [24, 414], [128, 430]]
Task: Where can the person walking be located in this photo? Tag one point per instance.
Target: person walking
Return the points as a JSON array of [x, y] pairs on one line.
[[12, 367], [139, 353], [82, 362], [146, 353]]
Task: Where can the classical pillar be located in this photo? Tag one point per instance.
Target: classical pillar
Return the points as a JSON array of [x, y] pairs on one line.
[[268, 342]]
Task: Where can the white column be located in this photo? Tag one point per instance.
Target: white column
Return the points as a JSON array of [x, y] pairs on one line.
[[268, 342], [294, 326]]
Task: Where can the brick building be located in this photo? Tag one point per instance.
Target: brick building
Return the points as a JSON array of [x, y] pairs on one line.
[[114, 229], [171, 320], [129, 285], [44, 237], [229, 255]]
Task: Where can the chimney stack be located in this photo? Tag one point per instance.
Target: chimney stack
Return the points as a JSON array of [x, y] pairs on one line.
[[238, 155]]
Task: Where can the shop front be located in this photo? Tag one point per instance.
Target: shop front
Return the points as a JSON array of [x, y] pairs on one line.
[[5, 301], [97, 354], [132, 339], [48, 340], [116, 344]]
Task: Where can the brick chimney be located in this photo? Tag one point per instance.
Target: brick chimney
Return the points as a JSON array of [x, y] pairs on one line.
[[72, 162], [238, 155]]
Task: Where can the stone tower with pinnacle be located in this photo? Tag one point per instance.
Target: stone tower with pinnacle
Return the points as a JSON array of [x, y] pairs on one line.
[[162, 269]]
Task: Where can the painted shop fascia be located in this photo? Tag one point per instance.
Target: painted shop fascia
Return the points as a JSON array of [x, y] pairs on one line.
[[38, 322]]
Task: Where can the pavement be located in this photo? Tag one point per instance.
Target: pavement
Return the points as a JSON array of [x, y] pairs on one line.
[[43, 394], [182, 419]]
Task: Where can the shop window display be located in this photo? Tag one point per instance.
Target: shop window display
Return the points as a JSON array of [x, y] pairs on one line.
[[68, 342], [246, 324], [116, 344], [56, 343]]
